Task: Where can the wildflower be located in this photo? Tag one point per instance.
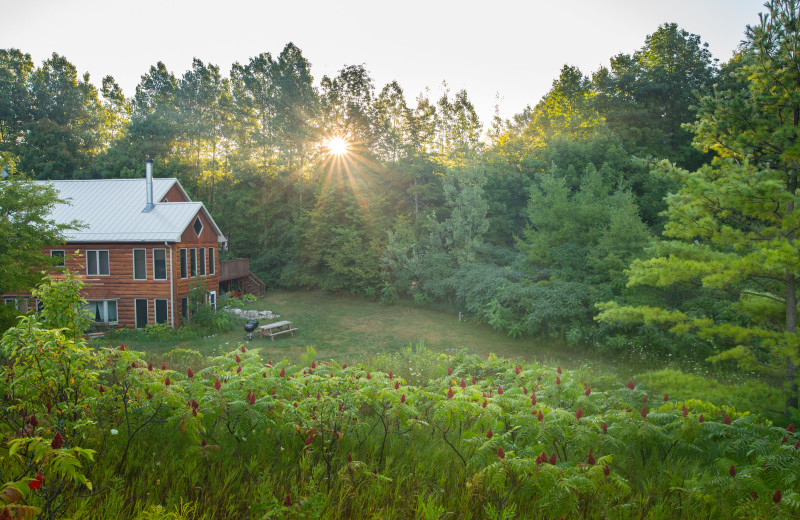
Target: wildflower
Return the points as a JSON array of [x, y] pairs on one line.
[[48, 406], [450, 393], [449, 371], [732, 470], [604, 427], [239, 369], [58, 441], [310, 371], [606, 470], [243, 349], [238, 359], [540, 417], [590, 459], [784, 440], [644, 398], [644, 412], [685, 411], [754, 495], [149, 396], [701, 418], [369, 376], [533, 399], [631, 385], [776, 497], [484, 403], [558, 380], [203, 443], [790, 428], [726, 419], [150, 367], [391, 375], [122, 346], [518, 369], [33, 421], [552, 460], [558, 369], [474, 381], [166, 381], [542, 458], [264, 375], [579, 413], [489, 434], [295, 404], [190, 373], [588, 391], [133, 364], [403, 398], [397, 385], [163, 366], [283, 372], [37, 482], [114, 432], [500, 453], [666, 397], [499, 390], [217, 383], [344, 366], [251, 398], [288, 501], [463, 383]]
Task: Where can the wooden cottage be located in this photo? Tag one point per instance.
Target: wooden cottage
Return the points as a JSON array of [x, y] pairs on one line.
[[143, 245]]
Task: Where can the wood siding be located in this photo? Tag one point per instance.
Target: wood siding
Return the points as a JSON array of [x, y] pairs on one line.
[[174, 194], [120, 285]]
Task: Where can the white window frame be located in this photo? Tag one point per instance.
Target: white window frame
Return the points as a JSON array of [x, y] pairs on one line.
[[193, 262], [105, 310], [96, 253], [166, 309], [212, 270], [165, 263], [195, 221], [183, 259], [144, 252]]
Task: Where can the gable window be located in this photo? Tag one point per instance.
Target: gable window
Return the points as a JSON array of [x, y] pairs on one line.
[[140, 264], [97, 263], [183, 262], [193, 262], [201, 268], [102, 311], [58, 257], [211, 267], [161, 311], [159, 264], [198, 226]]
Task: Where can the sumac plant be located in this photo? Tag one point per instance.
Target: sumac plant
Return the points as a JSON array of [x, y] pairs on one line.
[[96, 433]]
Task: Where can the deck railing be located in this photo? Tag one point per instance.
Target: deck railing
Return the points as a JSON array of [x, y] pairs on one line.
[[234, 269]]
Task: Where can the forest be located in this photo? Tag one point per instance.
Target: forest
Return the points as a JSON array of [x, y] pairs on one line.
[[646, 205]]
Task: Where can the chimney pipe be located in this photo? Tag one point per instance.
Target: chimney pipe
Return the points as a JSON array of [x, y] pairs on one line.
[[148, 168]]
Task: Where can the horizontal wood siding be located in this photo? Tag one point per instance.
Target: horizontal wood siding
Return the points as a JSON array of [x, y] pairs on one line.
[[174, 194]]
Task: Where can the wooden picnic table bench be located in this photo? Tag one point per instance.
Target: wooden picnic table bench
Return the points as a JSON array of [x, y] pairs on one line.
[[273, 329]]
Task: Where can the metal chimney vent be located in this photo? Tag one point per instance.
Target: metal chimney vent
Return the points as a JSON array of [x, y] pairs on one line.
[[148, 168]]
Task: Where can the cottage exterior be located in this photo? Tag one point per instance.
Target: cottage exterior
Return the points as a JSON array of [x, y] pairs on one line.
[[143, 245]]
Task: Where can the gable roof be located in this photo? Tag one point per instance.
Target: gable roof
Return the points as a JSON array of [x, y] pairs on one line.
[[111, 211]]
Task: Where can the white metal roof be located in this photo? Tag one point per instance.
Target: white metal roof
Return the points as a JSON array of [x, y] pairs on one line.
[[111, 211]]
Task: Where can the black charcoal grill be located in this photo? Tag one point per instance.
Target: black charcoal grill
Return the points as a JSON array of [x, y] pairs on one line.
[[249, 327]]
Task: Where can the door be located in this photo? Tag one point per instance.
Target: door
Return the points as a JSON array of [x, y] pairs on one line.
[[141, 313], [212, 299]]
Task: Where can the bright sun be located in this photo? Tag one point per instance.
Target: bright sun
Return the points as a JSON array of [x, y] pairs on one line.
[[337, 146]]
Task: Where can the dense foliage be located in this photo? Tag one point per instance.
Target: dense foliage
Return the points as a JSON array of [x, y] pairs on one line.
[[112, 433]]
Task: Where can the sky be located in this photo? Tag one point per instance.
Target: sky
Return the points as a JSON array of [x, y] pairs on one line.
[[504, 53]]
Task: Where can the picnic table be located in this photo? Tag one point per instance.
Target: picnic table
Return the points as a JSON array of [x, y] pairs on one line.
[[273, 329]]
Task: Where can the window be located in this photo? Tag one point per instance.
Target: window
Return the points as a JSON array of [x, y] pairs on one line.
[[140, 264], [58, 257], [161, 311], [193, 262], [211, 266], [97, 263], [198, 226], [141, 313], [103, 311], [185, 308], [159, 264], [201, 268], [183, 263]]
